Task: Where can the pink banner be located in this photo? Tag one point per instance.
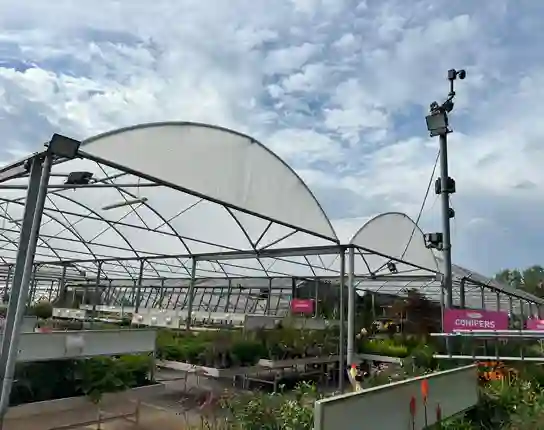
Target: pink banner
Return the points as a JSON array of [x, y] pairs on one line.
[[302, 306], [469, 319], [533, 324]]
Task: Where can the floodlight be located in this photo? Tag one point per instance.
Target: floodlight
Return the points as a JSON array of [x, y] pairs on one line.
[[125, 203], [63, 146], [437, 122], [392, 267], [434, 240], [78, 178]]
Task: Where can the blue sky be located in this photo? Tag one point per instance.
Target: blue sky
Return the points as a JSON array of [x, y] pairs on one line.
[[338, 88]]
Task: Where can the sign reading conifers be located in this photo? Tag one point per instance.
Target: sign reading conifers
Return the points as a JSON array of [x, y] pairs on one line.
[[470, 319]]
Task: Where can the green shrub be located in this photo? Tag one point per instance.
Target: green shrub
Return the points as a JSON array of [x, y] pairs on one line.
[[235, 348], [43, 310], [386, 347], [258, 411], [68, 378]]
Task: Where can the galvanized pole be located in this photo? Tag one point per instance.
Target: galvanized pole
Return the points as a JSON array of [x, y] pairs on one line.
[[351, 306], [62, 284], [139, 287], [26, 226], [191, 296], [29, 262], [8, 280], [446, 228], [341, 358]]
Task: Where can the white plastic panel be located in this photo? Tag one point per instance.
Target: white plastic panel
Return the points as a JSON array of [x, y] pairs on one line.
[[112, 309], [217, 163], [75, 344], [69, 313], [28, 325], [176, 319], [387, 406], [395, 234]]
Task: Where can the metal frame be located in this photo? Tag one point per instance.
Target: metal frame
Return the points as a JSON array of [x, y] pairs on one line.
[[222, 277], [97, 261]]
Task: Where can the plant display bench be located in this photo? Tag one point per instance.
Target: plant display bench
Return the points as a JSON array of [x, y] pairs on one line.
[[379, 358], [232, 374], [272, 372]]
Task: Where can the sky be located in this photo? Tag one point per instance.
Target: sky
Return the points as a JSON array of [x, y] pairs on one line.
[[338, 88]]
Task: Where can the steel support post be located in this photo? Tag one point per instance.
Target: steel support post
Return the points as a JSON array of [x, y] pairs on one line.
[[341, 340], [24, 237], [33, 236], [191, 295], [446, 228], [351, 306], [139, 287]]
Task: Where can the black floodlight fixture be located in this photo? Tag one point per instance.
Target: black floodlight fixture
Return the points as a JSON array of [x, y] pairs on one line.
[[62, 146], [392, 267], [79, 178]]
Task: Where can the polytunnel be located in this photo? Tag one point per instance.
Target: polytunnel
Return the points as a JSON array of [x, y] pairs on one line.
[[396, 234], [145, 214], [191, 216]]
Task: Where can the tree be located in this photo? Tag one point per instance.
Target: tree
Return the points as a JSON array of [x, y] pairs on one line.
[[530, 279], [43, 309], [420, 316]]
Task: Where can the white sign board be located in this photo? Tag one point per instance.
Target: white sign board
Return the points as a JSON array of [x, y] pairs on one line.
[[388, 406], [87, 343]]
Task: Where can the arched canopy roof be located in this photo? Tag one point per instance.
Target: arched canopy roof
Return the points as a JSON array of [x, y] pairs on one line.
[[397, 235], [216, 164], [166, 189], [166, 194]]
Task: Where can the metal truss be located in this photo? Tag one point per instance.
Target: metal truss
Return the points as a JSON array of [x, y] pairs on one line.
[[141, 250]]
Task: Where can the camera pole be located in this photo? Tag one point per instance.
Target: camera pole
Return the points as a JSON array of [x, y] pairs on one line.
[[438, 125]]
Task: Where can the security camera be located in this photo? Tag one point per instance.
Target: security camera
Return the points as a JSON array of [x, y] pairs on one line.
[[462, 74]]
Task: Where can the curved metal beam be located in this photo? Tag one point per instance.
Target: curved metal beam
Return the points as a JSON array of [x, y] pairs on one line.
[[248, 238], [68, 228], [165, 221], [109, 223], [10, 218], [112, 225]]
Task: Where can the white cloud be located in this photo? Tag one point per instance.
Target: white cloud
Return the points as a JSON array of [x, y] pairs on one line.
[[337, 88]]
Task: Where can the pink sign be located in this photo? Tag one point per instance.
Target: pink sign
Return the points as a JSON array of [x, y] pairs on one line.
[[470, 319], [533, 324], [302, 306]]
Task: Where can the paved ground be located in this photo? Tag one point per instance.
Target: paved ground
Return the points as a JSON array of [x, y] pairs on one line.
[[183, 403], [151, 419]]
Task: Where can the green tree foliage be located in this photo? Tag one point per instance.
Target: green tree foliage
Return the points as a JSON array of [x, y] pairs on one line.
[[43, 309], [530, 279], [419, 315]]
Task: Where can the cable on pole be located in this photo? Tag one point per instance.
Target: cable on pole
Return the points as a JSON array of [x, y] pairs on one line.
[[427, 191]]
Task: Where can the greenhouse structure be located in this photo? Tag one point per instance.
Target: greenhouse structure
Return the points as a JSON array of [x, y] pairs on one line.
[[197, 217]]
